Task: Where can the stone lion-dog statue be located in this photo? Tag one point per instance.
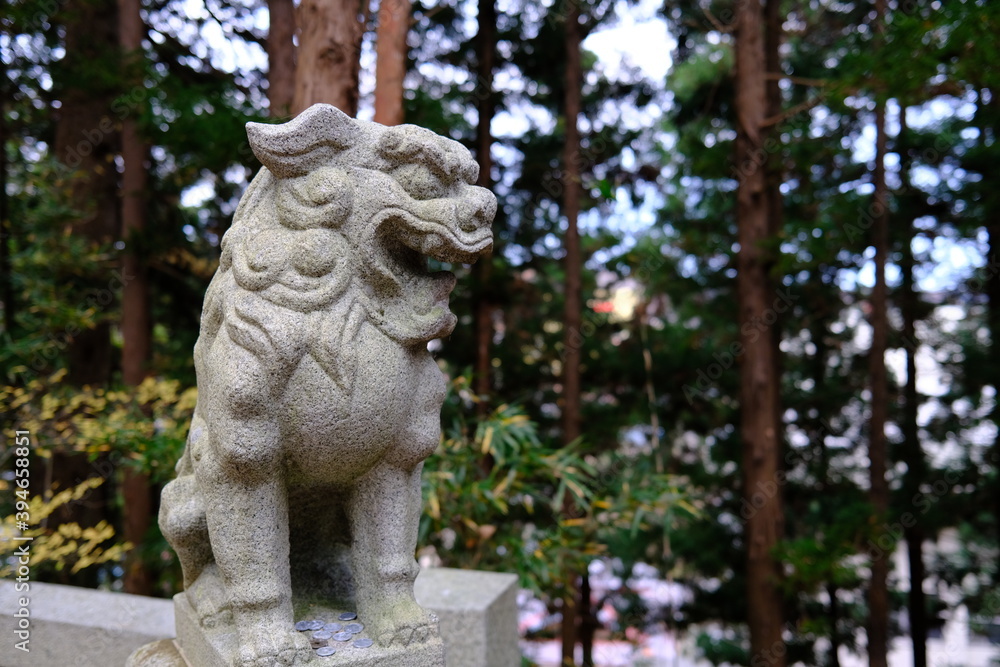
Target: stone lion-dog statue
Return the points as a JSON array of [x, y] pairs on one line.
[[318, 401]]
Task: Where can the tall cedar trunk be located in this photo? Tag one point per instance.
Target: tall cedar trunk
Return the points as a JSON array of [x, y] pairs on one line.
[[878, 593], [760, 423], [986, 115], [330, 33], [774, 163], [483, 330], [587, 622], [6, 286], [135, 323], [281, 57], [390, 63], [834, 613], [819, 335], [87, 141], [913, 453], [993, 313], [572, 314]]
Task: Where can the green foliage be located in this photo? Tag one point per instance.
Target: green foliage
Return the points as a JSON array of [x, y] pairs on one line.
[[138, 428], [48, 263], [62, 546], [143, 427], [498, 497]]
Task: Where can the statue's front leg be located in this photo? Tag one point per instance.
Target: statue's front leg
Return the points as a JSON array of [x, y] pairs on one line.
[[247, 512], [385, 519]]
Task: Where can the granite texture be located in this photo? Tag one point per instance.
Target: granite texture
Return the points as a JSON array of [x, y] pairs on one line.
[[78, 626], [163, 653], [478, 612], [299, 488]]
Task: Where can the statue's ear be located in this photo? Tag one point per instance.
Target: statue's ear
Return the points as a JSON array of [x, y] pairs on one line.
[[304, 143]]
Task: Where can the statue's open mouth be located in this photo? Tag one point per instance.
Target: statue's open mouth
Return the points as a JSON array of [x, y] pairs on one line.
[[407, 242]]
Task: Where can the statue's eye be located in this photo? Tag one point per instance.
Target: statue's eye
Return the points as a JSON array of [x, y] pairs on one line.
[[420, 182]]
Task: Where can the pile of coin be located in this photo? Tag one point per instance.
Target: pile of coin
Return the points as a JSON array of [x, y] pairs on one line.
[[323, 633]]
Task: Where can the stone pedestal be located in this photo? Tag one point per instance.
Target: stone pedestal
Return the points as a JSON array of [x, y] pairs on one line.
[[87, 628], [218, 645], [478, 612]]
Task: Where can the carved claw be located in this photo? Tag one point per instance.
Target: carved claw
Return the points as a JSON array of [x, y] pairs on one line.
[[269, 651], [414, 628]]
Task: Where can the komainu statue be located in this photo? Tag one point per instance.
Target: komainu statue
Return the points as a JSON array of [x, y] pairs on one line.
[[297, 499]]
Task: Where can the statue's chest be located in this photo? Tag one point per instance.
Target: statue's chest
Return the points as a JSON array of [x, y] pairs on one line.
[[341, 424]]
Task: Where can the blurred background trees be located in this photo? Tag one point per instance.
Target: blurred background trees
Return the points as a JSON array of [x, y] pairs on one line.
[[738, 324]]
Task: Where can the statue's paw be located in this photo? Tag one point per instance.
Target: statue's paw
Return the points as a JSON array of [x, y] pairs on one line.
[[283, 649], [211, 615], [410, 625], [207, 596]]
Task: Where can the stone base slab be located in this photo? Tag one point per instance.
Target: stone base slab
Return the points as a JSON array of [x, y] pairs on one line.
[[88, 628], [218, 645]]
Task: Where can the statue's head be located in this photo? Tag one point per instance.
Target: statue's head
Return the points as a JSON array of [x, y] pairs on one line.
[[358, 200]]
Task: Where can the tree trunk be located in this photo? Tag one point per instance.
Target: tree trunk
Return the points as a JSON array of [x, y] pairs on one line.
[[281, 57], [6, 286], [993, 313], [831, 590], [330, 33], [878, 593], [390, 63], [588, 623], [572, 316], [135, 323], [482, 366], [87, 141], [986, 115], [571, 209], [760, 414], [916, 464]]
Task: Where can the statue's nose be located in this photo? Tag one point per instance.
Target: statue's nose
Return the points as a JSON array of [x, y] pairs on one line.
[[477, 211]]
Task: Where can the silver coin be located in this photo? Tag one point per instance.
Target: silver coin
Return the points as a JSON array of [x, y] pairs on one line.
[[322, 635], [343, 637], [303, 626], [333, 627], [363, 643], [348, 616], [354, 628], [316, 625], [325, 651]]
